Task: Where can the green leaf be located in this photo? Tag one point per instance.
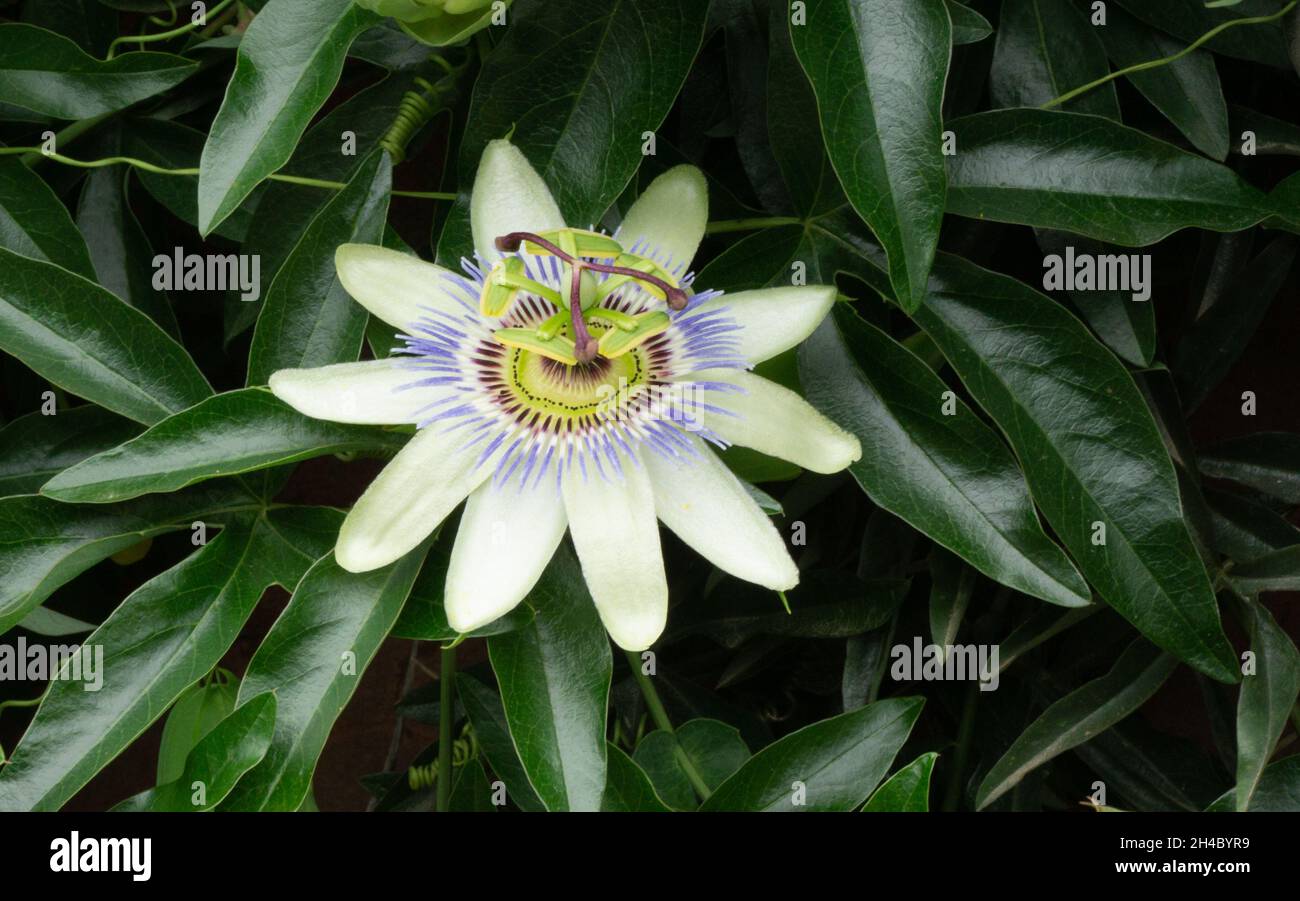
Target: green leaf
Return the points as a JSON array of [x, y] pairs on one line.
[[1269, 462], [308, 318], [947, 476], [825, 604], [1208, 350], [483, 706], [1044, 49], [34, 222], [388, 46], [1245, 530], [48, 73], [684, 700], [44, 544], [1190, 20], [837, 762], [627, 788], [1272, 136], [35, 447], [714, 749], [1278, 791], [1267, 697], [1094, 458], [368, 114], [968, 26], [163, 637], [826, 246], [287, 65], [424, 617], [751, 466], [172, 145], [554, 676], [878, 68], [234, 746], [193, 716], [92, 343], [811, 183], [768, 504], [1042, 624], [1276, 571], [865, 659], [1187, 91], [118, 246], [1285, 202], [1151, 770], [907, 791], [1090, 176], [44, 621], [576, 86], [1127, 326], [91, 24], [471, 793], [951, 584], [239, 431], [312, 659], [1080, 715]]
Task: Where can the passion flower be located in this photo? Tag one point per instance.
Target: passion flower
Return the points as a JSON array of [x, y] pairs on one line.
[[568, 379]]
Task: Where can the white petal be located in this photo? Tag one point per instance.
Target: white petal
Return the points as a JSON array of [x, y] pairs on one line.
[[408, 500], [669, 218], [705, 504], [369, 393], [509, 196], [617, 538], [505, 539], [395, 286], [777, 422], [773, 320]]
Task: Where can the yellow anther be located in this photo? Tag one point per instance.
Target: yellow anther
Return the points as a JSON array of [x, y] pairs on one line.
[[577, 243], [556, 347], [503, 284], [640, 264], [618, 341]]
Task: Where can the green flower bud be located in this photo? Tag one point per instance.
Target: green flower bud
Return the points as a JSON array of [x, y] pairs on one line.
[[422, 10]]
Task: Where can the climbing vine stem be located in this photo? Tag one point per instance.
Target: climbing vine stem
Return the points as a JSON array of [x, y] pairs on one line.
[[166, 35], [446, 722], [660, 716], [1172, 58]]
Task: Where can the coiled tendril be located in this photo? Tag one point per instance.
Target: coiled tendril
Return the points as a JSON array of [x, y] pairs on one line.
[[463, 750], [414, 111]]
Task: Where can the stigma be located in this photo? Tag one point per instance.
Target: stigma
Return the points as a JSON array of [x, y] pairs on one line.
[[590, 270]]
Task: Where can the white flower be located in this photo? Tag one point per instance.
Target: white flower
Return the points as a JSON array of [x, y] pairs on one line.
[[539, 442]]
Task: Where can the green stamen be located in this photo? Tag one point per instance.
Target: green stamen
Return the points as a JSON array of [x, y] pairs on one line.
[[503, 285], [557, 347], [619, 341], [575, 243], [617, 318]]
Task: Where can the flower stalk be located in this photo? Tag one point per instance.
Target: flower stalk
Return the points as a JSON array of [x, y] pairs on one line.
[[446, 723], [660, 716]]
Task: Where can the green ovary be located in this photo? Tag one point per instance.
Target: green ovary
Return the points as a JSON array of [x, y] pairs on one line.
[[548, 387]]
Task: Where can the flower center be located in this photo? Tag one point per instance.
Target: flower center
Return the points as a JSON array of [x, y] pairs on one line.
[[503, 378], [585, 388]]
